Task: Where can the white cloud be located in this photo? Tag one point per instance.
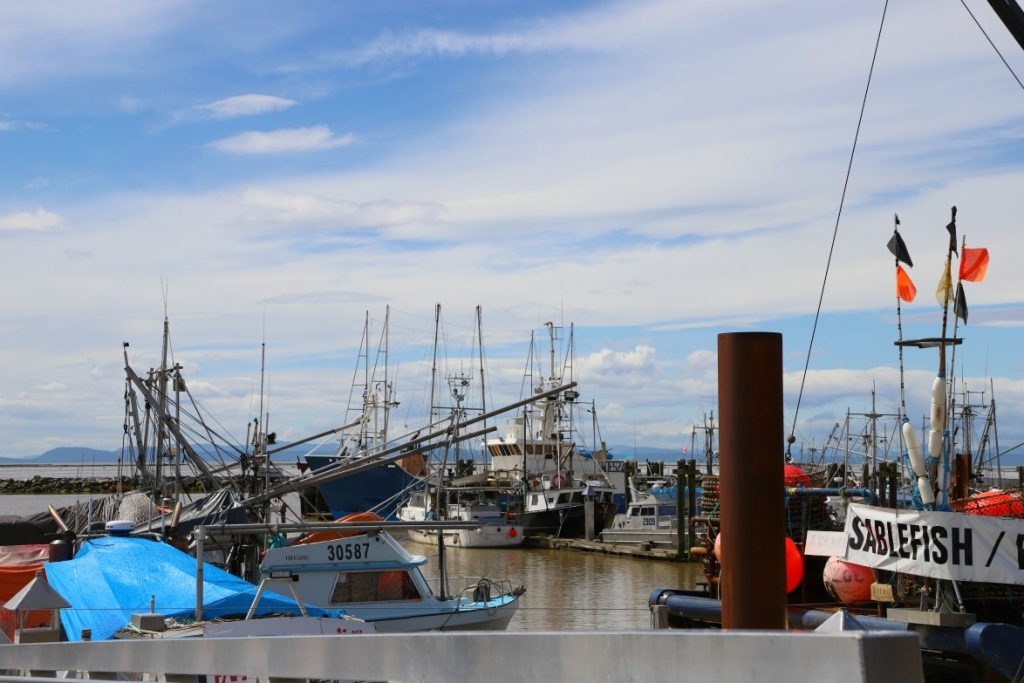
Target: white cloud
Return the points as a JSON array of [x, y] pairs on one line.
[[37, 183], [603, 30], [314, 138], [39, 220], [245, 105], [41, 41], [307, 209], [7, 125]]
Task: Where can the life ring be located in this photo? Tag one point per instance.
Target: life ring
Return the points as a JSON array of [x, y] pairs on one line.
[[535, 484], [320, 536], [558, 480]]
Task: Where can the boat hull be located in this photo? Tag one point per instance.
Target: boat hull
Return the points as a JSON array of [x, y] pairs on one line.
[[487, 536], [657, 539], [492, 616], [564, 522], [374, 489]]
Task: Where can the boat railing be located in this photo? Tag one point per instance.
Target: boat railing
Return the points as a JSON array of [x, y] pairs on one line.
[[473, 588]]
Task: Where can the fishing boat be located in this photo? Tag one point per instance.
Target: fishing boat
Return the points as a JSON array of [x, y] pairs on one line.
[[539, 449], [371, 576], [498, 528], [651, 518], [112, 578]]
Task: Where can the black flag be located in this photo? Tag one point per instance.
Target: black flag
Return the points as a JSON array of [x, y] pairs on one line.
[[898, 249], [952, 233], [960, 303]]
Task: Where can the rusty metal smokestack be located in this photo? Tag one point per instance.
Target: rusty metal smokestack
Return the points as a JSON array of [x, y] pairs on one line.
[[751, 443]]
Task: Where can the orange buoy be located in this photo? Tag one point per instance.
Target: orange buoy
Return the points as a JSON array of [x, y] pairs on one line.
[[319, 536], [794, 562], [794, 565], [847, 582]]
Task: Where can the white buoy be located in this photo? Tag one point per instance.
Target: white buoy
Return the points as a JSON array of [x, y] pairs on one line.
[[935, 443], [939, 405], [924, 487], [913, 448]]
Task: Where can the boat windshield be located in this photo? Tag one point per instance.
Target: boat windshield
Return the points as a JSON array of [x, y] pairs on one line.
[[373, 586]]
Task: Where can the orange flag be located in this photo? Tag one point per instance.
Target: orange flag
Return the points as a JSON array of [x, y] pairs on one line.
[[974, 264], [905, 289]]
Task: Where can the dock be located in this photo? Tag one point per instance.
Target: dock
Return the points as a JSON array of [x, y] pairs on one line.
[[627, 550]]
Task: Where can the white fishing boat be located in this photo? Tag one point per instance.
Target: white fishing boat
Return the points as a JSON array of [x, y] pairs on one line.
[[541, 449], [496, 530], [371, 576], [650, 519]]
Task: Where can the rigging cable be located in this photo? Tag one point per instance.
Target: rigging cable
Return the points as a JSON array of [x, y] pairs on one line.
[[835, 231], [984, 33]]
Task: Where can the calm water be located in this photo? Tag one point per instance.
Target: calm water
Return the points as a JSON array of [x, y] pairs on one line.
[[569, 590], [565, 590]]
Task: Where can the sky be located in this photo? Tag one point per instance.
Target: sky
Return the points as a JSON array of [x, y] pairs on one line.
[[654, 173]]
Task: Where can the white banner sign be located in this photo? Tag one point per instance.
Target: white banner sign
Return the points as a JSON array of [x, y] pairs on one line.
[[941, 545]]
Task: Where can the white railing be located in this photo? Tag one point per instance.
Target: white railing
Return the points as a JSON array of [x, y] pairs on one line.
[[570, 657]]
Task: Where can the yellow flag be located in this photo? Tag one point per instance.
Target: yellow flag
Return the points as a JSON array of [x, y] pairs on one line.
[[944, 290]]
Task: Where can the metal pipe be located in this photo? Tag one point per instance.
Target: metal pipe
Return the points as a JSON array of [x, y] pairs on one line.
[[256, 528], [200, 538], [751, 483], [844, 491]]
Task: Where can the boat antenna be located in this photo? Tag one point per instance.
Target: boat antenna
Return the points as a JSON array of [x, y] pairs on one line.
[[835, 231]]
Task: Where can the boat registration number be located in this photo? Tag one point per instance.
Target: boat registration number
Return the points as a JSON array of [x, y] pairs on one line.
[[348, 551]]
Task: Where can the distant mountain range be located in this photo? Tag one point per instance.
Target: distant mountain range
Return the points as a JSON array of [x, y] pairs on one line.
[[80, 455]]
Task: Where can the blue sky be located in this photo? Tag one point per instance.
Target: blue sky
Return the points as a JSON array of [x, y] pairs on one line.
[[656, 172]]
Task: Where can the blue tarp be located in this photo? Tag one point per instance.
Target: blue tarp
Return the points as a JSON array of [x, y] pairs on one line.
[[110, 578]]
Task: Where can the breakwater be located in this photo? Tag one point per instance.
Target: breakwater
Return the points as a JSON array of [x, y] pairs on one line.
[[42, 485]]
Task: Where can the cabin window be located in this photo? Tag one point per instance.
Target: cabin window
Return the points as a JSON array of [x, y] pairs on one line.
[[634, 512], [373, 587], [577, 497], [534, 499], [647, 511]]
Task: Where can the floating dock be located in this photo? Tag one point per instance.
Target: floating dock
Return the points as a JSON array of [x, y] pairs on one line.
[[628, 550]]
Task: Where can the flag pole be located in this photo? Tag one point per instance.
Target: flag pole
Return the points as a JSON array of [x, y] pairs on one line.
[[956, 326], [899, 323], [946, 294], [938, 435]]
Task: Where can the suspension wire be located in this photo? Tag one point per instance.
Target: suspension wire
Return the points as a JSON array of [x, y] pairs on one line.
[[984, 33], [835, 231]]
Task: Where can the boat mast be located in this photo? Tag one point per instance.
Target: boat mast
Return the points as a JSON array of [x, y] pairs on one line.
[[433, 365], [387, 387], [480, 351], [366, 438], [162, 408]]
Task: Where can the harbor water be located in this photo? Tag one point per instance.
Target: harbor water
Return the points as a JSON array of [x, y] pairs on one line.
[[565, 589]]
